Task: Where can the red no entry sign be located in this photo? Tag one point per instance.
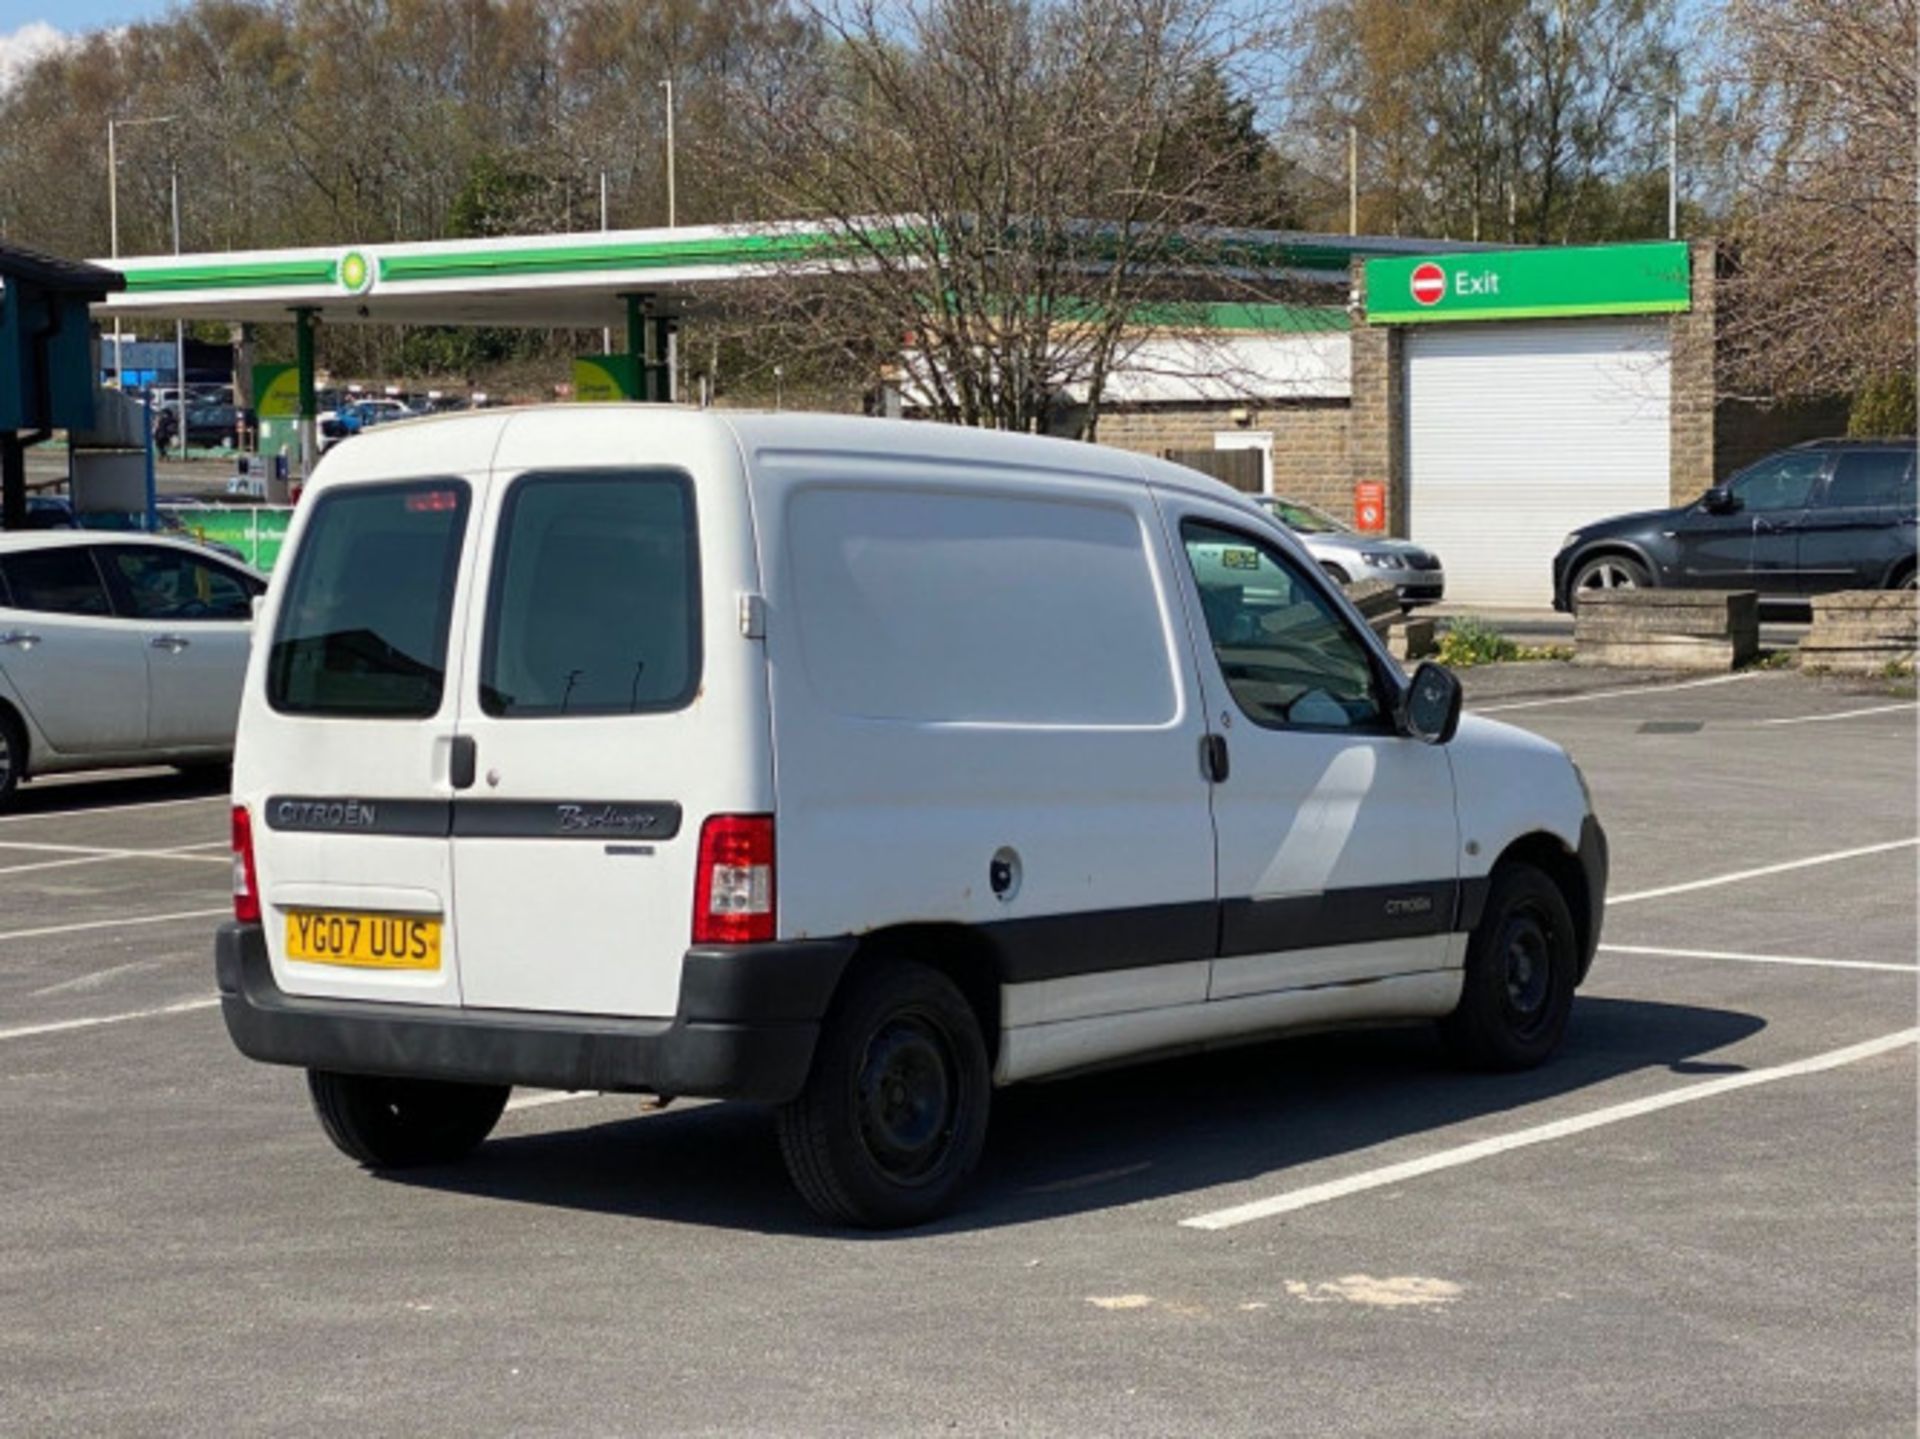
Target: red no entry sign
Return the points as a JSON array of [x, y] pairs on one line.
[[1429, 283]]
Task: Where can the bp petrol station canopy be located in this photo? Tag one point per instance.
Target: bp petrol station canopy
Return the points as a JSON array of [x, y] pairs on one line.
[[580, 280]]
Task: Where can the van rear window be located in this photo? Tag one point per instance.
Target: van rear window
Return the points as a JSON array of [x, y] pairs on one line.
[[363, 626], [595, 600]]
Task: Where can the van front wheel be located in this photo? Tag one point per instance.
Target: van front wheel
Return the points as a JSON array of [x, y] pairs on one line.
[[894, 1114], [397, 1123], [1517, 992]]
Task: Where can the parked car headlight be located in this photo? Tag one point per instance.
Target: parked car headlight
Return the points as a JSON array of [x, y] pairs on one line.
[[1380, 560], [1570, 541]]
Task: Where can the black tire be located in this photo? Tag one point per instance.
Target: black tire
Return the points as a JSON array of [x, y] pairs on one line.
[[894, 1115], [1334, 573], [1607, 572], [1522, 964], [398, 1123], [13, 756]]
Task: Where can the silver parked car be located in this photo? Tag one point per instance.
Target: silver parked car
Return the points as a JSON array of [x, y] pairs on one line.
[[1349, 557], [118, 650]]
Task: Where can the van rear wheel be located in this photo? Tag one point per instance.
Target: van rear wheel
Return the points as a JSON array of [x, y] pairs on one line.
[[893, 1117], [1522, 962], [397, 1123]]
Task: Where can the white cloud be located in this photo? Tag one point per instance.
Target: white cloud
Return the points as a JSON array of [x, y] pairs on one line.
[[22, 47]]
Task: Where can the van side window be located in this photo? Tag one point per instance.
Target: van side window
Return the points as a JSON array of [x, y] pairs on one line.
[[942, 606], [1288, 656], [363, 627], [595, 598]]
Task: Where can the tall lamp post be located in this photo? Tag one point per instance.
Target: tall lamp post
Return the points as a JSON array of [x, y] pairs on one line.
[[672, 214], [113, 219], [1673, 167]]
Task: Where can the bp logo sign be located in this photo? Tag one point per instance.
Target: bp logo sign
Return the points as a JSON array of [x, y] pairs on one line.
[[1429, 284], [356, 273]]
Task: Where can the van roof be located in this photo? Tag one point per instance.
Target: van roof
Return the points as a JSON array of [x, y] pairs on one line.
[[782, 430]]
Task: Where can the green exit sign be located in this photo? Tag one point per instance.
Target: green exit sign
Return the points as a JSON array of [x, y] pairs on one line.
[[1529, 284]]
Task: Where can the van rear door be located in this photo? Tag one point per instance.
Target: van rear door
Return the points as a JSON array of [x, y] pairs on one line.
[[347, 737], [612, 705]]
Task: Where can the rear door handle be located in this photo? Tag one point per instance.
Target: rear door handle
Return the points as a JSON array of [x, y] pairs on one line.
[[19, 639], [463, 761], [172, 644], [1213, 757]]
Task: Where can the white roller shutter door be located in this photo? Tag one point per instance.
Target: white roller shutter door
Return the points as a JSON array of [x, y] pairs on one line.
[[1519, 433]]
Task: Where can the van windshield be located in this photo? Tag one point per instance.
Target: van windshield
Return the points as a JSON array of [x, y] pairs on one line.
[[363, 626]]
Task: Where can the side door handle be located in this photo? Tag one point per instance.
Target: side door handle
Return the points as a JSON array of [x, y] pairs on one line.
[[1213, 757], [19, 639], [463, 761], [172, 644]]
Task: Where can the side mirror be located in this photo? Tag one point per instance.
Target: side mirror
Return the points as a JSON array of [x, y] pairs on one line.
[[1431, 710], [1720, 501]]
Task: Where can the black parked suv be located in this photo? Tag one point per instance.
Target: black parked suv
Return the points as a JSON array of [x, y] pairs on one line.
[[1826, 515]]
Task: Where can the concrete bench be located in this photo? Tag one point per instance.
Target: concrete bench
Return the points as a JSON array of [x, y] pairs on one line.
[[1860, 632], [1667, 629], [1379, 605]]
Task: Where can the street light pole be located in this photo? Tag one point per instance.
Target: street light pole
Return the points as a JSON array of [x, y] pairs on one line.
[[1673, 167], [606, 333], [179, 326], [672, 215], [113, 219]]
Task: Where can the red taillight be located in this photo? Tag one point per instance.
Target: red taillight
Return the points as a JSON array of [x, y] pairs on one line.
[[733, 885], [246, 887]]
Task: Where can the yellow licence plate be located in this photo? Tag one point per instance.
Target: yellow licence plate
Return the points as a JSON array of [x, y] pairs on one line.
[[371, 941]]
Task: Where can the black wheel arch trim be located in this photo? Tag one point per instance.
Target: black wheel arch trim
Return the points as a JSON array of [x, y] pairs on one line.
[[1589, 908]]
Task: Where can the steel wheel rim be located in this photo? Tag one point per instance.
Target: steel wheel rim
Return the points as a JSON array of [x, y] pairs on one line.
[[1527, 959], [908, 1096], [6, 758]]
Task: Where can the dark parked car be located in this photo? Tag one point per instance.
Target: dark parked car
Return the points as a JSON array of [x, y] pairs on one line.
[[1826, 515]]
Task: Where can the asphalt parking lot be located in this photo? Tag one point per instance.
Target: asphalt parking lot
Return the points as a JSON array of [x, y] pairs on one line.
[[1700, 1219]]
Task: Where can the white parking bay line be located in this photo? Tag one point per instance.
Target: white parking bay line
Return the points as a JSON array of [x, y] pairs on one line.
[[1614, 694], [1541, 1134], [185, 1006], [124, 923], [1831, 857], [1844, 714], [112, 809], [1660, 953]]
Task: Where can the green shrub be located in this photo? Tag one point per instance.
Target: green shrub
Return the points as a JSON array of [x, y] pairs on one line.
[[1883, 408], [1470, 642]]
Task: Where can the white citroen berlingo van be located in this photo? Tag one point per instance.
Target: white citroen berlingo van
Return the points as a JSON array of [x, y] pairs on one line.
[[853, 766]]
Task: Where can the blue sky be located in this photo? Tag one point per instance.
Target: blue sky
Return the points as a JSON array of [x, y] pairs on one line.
[[76, 14]]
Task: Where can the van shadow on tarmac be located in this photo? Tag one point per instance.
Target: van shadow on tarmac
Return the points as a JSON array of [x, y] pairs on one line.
[[1102, 1140]]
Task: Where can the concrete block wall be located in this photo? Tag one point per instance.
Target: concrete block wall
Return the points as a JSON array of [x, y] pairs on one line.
[[1310, 442]]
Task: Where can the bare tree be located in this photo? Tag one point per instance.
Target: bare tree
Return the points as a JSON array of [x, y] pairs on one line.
[[1821, 137], [1010, 194]]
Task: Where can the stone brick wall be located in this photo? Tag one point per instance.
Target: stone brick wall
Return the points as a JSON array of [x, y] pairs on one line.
[[1378, 437], [1694, 384], [1310, 453]]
